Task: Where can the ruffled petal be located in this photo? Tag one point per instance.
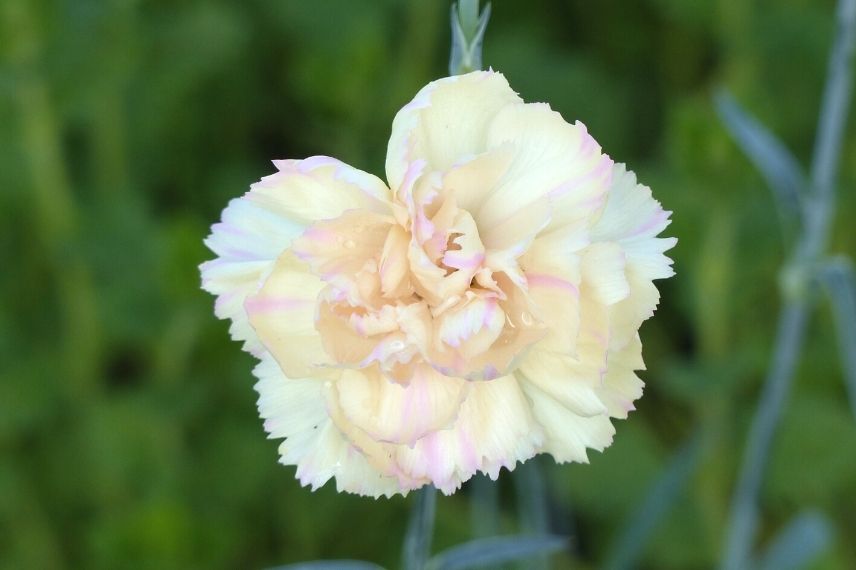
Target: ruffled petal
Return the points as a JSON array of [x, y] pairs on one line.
[[631, 220], [258, 227], [320, 188], [568, 435], [603, 270], [553, 276], [472, 181], [621, 386], [551, 159], [294, 410], [283, 315], [494, 429], [247, 243], [574, 383], [446, 122], [343, 251], [400, 413]]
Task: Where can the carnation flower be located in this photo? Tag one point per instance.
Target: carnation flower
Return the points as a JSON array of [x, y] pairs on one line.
[[481, 308]]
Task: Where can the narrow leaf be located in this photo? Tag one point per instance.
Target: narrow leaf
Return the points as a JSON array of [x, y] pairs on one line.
[[806, 537], [496, 550], [420, 529], [776, 164], [330, 565], [836, 102], [660, 498], [840, 283]]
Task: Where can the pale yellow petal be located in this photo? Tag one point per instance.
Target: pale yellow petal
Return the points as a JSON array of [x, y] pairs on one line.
[[446, 122], [603, 270], [552, 159], [320, 188], [621, 386], [283, 315], [400, 413], [494, 429]]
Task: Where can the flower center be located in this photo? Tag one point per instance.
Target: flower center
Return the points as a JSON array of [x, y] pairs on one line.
[[419, 288]]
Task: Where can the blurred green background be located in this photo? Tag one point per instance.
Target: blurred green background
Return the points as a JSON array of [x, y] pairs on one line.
[[128, 429]]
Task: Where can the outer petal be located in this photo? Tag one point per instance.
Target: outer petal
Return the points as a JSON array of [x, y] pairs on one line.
[[552, 159], [447, 121], [631, 220], [320, 188], [494, 429], [571, 382], [258, 227], [397, 413], [568, 434], [553, 276], [621, 386], [247, 242], [295, 409], [283, 315]]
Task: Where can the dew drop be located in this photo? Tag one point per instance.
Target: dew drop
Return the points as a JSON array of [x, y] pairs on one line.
[[526, 318], [509, 321], [350, 244]]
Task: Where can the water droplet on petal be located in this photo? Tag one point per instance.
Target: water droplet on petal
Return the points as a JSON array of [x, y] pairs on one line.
[[509, 321], [350, 244], [526, 318]]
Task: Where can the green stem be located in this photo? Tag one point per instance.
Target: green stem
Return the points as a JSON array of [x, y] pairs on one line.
[[420, 529]]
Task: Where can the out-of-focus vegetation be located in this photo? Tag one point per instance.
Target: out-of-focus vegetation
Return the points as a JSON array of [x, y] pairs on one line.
[[128, 429]]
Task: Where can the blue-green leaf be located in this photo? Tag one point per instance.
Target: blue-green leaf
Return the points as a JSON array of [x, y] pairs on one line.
[[840, 282], [330, 565], [496, 550], [805, 538], [773, 160], [420, 529]]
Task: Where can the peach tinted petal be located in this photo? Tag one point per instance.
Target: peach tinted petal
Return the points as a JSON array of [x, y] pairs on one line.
[[283, 315], [494, 429], [400, 413]]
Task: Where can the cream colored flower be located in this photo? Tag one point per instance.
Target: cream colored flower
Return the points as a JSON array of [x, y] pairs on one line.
[[480, 309]]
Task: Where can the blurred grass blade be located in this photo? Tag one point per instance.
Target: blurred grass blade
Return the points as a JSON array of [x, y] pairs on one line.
[[496, 550], [776, 164], [420, 529], [330, 565], [806, 537], [532, 505], [840, 281], [659, 500]]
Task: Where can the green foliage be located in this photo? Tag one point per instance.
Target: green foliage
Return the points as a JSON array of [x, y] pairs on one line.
[[128, 428]]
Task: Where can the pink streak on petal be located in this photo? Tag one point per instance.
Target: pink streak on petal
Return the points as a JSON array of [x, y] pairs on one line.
[[265, 305], [543, 280], [603, 170]]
